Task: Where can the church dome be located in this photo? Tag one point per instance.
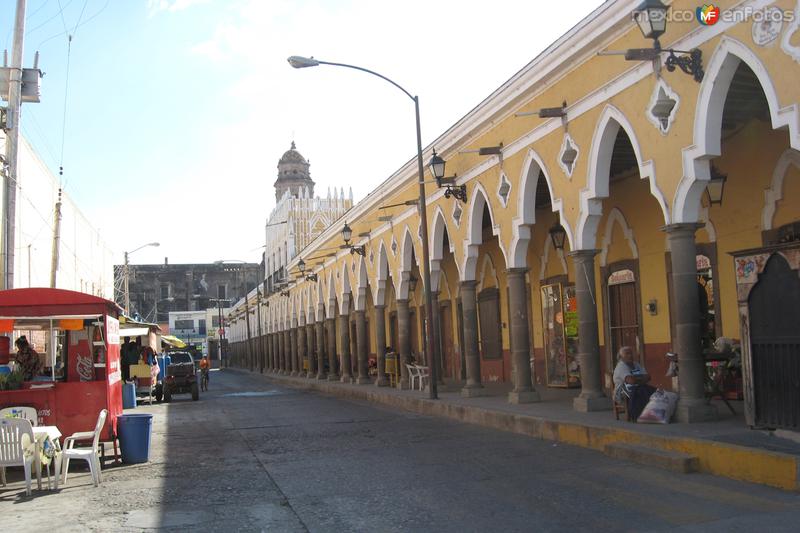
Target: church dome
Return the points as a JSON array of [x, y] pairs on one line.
[[291, 156], [293, 175]]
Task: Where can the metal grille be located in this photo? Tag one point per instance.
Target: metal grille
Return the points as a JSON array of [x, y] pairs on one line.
[[776, 370]]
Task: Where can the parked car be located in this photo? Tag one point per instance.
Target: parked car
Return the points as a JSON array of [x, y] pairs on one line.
[[181, 377]]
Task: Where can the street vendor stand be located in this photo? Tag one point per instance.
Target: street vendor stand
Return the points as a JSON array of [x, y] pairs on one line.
[[80, 333]]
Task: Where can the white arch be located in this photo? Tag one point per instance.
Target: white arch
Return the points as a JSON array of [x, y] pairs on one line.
[[708, 121], [774, 193], [360, 296], [487, 270], [548, 248], [330, 305], [598, 177], [320, 304], [437, 246], [478, 199], [406, 264], [526, 208], [344, 297], [381, 275], [615, 215], [708, 227]]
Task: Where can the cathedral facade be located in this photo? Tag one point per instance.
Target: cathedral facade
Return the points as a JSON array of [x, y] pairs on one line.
[[298, 216]]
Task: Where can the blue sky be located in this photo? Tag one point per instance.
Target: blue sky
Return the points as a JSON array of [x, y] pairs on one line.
[[177, 111]]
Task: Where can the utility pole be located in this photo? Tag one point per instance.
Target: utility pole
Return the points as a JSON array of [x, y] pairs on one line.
[[9, 213], [125, 285], [56, 242]]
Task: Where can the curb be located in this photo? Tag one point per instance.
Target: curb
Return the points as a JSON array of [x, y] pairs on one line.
[[753, 465]]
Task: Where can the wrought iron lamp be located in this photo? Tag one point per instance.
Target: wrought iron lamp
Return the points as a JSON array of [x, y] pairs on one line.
[[301, 266], [347, 234], [436, 166], [558, 235], [651, 17]]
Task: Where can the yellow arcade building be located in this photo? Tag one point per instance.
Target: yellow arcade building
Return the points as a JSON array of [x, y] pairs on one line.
[[644, 198]]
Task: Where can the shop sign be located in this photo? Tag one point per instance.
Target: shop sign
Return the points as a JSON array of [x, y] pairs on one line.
[[621, 276], [703, 262], [112, 330]]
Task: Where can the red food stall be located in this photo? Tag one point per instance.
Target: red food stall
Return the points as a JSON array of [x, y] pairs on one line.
[[77, 334]]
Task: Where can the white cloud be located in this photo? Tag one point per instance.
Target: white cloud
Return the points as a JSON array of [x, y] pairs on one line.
[[155, 7]]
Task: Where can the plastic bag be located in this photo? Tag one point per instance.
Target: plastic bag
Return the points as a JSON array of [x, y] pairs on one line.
[[660, 408]]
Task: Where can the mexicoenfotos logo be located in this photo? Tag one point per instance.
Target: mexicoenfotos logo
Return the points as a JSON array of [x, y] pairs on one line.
[[707, 15]]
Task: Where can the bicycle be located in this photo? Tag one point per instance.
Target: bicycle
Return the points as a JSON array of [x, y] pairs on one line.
[[204, 379]]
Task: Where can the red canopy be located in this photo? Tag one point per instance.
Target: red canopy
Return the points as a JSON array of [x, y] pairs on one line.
[[35, 302]]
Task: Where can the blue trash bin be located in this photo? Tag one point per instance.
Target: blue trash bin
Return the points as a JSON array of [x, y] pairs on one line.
[[134, 437], [128, 396]]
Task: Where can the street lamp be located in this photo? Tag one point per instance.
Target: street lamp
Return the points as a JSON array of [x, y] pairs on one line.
[[558, 234], [651, 17], [126, 275], [716, 186], [303, 62], [436, 165], [347, 234], [301, 266]]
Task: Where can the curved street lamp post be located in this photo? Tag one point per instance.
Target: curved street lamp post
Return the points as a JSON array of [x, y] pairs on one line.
[[126, 275], [304, 62]]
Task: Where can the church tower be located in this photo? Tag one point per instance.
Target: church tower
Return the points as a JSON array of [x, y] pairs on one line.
[[293, 175]]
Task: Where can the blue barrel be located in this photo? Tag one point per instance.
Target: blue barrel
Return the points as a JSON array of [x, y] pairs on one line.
[[129, 395], [163, 362], [134, 437]]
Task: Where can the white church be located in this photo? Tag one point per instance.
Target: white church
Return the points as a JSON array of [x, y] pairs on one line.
[[298, 216]]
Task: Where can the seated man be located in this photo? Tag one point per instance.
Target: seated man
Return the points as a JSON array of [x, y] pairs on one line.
[[630, 383], [27, 359]]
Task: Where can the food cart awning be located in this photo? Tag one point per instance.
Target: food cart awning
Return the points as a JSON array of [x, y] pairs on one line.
[[173, 341]]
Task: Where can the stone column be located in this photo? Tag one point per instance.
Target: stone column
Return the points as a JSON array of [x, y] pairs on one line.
[[344, 336], [333, 363], [308, 333], [276, 352], [404, 339], [523, 392], [380, 345], [319, 330], [293, 351], [692, 406], [268, 351], [437, 341], [361, 349], [301, 348], [591, 397], [469, 310], [281, 352]]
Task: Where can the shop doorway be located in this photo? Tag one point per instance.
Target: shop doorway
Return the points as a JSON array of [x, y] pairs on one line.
[[775, 345], [446, 335], [623, 307]]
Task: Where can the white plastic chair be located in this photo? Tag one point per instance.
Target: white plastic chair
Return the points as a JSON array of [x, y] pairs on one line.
[[422, 374], [28, 413], [85, 454], [413, 374], [17, 448]]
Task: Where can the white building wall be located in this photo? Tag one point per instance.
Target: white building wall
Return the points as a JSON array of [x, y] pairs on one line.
[[86, 260]]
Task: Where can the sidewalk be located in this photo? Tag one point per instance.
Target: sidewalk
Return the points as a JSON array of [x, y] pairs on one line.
[[726, 447]]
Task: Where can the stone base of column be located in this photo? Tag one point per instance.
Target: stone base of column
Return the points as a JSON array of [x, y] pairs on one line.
[[382, 382], [403, 385], [333, 377], [474, 391], [293, 374], [311, 375], [322, 377], [526, 396], [346, 379], [695, 411], [588, 404], [363, 381]]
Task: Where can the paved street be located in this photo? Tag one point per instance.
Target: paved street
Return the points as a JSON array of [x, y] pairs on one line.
[[250, 456]]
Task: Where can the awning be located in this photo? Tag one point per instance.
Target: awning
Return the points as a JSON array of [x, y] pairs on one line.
[[133, 332], [173, 341]]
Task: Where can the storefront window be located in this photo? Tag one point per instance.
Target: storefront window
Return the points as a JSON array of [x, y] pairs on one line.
[[705, 290], [560, 330]]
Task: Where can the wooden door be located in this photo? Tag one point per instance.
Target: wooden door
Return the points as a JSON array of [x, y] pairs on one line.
[[446, 335], [775, 345], [624, 317]]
